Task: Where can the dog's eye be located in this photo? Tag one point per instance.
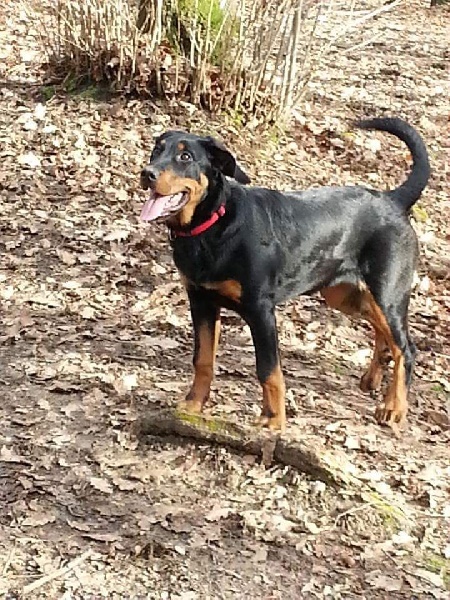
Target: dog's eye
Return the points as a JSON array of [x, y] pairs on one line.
[[185, 157]]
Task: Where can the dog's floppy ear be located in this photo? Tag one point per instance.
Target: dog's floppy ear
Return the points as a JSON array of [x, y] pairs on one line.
[[224, 161]]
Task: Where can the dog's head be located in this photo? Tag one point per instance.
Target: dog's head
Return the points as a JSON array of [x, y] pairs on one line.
[[178, 174]]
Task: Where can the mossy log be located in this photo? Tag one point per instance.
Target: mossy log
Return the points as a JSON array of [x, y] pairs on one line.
[[329, 466]]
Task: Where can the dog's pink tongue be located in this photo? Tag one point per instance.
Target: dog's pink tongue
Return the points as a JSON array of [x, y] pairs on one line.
[[154, 207]]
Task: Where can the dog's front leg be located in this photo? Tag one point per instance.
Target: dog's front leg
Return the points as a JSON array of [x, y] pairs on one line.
[[206, 320], [262, 323]]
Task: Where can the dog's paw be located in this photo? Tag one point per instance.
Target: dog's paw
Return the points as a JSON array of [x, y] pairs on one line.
[[190, 406], [391, 413], [371, 381], [276, 423]]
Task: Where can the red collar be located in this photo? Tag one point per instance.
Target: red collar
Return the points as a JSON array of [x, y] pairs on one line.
[[202, 227]]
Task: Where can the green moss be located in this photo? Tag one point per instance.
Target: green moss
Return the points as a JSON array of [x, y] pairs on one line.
[[48, 91], [204, 9], [440, 565], [85, 89], [438, 388], [393, 516], [274, 136], [81, 88], [222, 29], [209, 423], [420, 214], [338, 370], [234, 117]]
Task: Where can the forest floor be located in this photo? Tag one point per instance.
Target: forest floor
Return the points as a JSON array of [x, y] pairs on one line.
[[96, 334]]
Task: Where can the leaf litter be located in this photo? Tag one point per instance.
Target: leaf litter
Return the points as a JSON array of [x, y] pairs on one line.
[[96, 333]]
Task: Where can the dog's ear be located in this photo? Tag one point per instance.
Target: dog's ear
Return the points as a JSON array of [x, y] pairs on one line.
[[224, 161]]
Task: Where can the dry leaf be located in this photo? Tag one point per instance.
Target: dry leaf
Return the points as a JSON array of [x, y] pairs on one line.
[[29, 160], [380, 581], [126, 383], [217, 513], [67, 257], [165, 343], [117, 235], [433, 578], [9, 455], [39, 111], [87, 312], [101, 485], [352, 443], [38, 519], [25, 318]]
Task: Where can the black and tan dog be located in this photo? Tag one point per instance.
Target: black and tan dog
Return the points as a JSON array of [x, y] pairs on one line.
[[249, 248]]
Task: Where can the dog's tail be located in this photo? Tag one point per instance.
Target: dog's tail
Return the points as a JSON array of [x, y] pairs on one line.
[[408, 192]]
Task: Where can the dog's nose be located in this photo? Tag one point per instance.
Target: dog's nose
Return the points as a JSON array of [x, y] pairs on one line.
[[149, 175]]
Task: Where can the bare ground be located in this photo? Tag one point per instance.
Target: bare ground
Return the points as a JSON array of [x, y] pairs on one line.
[[96, 334]]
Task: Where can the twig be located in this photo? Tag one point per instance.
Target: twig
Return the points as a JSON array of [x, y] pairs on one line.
[[8, 561], [133, 357], [362, 44], [352, 510], [56, 574], [330, 416]]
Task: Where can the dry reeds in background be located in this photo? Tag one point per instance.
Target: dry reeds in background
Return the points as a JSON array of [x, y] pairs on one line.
[[253, 57]]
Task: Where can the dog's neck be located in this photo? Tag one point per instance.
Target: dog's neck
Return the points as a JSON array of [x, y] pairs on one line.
[[202, 227], [208, 211]]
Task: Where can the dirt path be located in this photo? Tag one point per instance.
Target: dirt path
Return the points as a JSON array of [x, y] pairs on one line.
[[96, 333]]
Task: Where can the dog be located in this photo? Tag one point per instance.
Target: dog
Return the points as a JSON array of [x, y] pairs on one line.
[[250, 248]]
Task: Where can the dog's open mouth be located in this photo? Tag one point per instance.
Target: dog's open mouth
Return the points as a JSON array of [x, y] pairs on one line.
[[158, 206]]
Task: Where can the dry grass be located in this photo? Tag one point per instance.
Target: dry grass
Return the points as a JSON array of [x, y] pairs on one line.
[[253, 57]]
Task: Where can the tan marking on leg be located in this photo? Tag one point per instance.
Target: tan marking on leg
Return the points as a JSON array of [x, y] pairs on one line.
[[344, 297], [357, 300], [229, 288], [394, 406], [372, 378], [208, 341], [274, 410]]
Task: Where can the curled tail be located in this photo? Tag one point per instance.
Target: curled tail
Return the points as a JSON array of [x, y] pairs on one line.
[[408, 192]]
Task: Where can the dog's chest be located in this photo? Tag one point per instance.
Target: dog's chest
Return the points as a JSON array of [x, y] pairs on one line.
[[199, 261], [211, 268], [201, 271], [230, 289]]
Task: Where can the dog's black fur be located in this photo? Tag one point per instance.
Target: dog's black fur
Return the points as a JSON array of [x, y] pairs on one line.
[[353, 244]]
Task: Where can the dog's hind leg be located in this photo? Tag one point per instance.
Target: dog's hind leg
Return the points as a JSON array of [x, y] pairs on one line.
[[350, 300], [373, 377], [388, 316], [386, 307], [394, 406]]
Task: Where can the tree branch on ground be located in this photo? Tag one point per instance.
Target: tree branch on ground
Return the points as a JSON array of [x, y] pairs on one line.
[[332, 467]]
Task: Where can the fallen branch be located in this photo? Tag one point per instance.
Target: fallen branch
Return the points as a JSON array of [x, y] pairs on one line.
[[332, 467], [56, 574]]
